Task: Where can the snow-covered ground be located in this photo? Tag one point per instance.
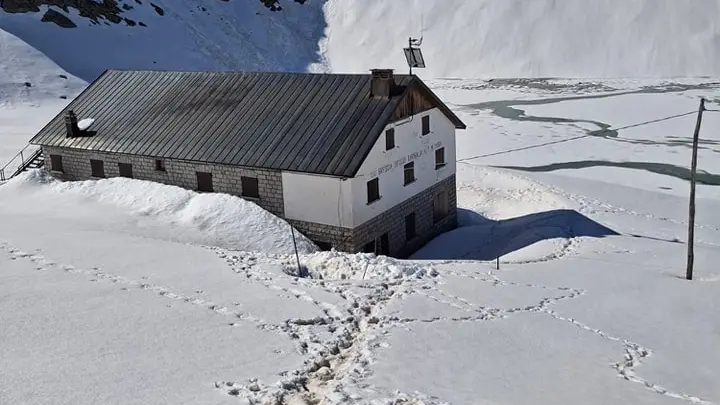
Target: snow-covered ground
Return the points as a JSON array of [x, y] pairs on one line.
[[122, 291], [126, 292]]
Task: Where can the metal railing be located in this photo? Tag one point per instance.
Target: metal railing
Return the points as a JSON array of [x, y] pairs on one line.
[[19, 162]]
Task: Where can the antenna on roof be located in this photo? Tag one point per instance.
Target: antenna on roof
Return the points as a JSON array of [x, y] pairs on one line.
[[413, 55]]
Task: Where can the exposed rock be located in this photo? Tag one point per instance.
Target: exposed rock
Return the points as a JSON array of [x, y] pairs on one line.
[[158, 9], [93, 10], [58, 18]]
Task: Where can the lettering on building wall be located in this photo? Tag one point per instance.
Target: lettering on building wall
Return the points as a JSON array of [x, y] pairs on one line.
[[405, 159]]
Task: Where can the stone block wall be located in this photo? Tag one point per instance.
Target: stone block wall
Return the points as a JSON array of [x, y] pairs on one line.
[[226, 179], [392, 221], [340, 238]]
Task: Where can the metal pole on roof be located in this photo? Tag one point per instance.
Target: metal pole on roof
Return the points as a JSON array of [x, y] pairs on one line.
[[693, 178]]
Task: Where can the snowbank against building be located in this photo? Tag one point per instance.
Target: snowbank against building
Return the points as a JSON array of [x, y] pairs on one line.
[[156, 210]]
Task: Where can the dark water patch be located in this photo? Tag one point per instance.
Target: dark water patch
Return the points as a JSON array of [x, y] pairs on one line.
[[679, 172]]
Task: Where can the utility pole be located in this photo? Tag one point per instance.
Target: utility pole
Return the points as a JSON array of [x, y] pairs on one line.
[[693, 175]]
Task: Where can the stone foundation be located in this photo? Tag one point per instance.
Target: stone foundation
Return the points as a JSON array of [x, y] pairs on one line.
[[226, 179]]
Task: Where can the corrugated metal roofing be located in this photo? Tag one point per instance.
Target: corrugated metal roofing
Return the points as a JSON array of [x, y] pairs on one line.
[[314, 123]]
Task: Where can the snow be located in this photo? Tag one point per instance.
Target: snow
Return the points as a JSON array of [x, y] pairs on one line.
[[31, 87], [125, 291], [177, 214], [589, 304], [514, 38], [85, 123]]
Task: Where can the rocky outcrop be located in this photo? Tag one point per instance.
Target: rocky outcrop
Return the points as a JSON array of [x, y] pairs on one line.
[[58, 18], [107, 9]]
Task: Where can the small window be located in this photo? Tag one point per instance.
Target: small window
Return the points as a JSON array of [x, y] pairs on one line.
[[159, 165], [56, 164], [440, 206], [125, 170], [204, 182], [369, 247], [373, 190], [250, 187], [390, 139], [425, 125], [409, 173], [439, 158], [410, 227], [97, 168], [323, 246]]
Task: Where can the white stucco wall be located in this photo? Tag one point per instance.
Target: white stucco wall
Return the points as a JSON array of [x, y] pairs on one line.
[[337, 202], [321, 199], [410, 145]]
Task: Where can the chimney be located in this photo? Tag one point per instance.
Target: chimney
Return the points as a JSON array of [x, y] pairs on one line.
[[381, 83], [71, 125]]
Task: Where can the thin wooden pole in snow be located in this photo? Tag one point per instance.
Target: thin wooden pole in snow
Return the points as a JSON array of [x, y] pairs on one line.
[[693, 175], [297, 256]]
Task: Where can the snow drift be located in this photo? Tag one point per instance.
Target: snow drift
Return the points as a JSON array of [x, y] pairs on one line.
[[211, 219]]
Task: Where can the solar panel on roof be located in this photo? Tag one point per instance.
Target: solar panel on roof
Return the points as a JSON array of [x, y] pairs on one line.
[[414, 57]]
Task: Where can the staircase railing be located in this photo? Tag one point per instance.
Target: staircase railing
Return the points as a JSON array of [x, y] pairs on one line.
[[19, 162]]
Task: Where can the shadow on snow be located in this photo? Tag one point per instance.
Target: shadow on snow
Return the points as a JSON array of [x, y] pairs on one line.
[[480, 238]]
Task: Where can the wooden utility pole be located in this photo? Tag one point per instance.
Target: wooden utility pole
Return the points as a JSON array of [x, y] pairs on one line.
[[693, 175]]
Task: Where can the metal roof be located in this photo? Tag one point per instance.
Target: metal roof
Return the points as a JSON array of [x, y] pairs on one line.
[[313, 123]]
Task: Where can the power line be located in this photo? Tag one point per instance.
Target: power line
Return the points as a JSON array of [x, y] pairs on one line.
[[593, 133]]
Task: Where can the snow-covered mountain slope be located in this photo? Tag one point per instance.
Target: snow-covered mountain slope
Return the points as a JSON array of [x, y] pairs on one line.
[[86, 37], [32, 90], [519, 38], [461, 38]]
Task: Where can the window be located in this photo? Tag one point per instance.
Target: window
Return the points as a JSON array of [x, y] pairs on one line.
[[439, 158], [409, 173], [125, 170], [426, 125], [250, 187], [97, 168], [410, 226], [159, 165], [204, 182], [369, 247], [323, 246], [440, 206], [56, 163], [373, 190], [390, 139]]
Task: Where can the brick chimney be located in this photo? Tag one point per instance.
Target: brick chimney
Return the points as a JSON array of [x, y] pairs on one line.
[[71, 125], [381, 83]]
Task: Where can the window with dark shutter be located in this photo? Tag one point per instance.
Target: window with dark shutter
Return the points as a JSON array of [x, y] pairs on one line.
[[56, 163], [390, 139], [160, 165], [440, 206], [373, 190], [125, 170], [439, 158], [97, 168], [250, 187], [410, 227], [409, 170], [425, 125], [204, 182]]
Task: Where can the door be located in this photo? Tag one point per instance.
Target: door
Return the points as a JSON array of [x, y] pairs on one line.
[[383, 245]]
